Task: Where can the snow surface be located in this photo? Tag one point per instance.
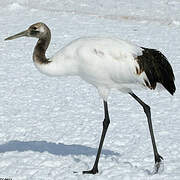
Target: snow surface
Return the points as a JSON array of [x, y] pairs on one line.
[[50, 127]]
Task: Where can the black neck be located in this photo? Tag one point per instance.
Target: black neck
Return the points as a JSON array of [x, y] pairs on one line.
[[40, 50]]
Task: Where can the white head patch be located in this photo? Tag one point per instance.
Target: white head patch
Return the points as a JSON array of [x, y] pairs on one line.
[[41, 29]]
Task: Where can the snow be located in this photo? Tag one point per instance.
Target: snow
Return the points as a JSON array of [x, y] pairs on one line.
[[50, 127]]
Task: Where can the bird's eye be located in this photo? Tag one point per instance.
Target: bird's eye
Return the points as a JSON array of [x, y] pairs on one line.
[[34, 32], [34, 28]]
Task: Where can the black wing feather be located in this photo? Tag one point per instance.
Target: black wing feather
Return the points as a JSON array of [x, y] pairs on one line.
[[157, 69]]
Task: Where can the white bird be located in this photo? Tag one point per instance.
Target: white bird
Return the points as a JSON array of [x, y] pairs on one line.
[[106, 63]]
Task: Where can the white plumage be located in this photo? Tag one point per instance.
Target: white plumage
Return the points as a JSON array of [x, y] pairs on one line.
[[106, 63]]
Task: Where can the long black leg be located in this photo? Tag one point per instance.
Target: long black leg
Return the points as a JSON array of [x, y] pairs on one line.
[[147, 111], [106, 122]]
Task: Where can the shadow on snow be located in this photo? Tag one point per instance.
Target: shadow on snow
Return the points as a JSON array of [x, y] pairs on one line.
[[53, 148]]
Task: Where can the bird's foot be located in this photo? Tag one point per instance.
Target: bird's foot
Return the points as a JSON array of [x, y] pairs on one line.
[[94, 170], [159, 164]]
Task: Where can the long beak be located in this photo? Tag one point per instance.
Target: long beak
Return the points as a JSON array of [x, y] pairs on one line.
[[21, 34]]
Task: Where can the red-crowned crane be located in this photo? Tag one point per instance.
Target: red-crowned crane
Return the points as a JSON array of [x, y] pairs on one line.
[[106, 63]]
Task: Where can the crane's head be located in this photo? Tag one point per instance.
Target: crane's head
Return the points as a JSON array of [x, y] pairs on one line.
[[38, 30]]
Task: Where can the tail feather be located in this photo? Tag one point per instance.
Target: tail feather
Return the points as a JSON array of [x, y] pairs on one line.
[[157, 69]]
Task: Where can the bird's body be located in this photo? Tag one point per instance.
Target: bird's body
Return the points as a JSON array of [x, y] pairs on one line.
[[106, 63]]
